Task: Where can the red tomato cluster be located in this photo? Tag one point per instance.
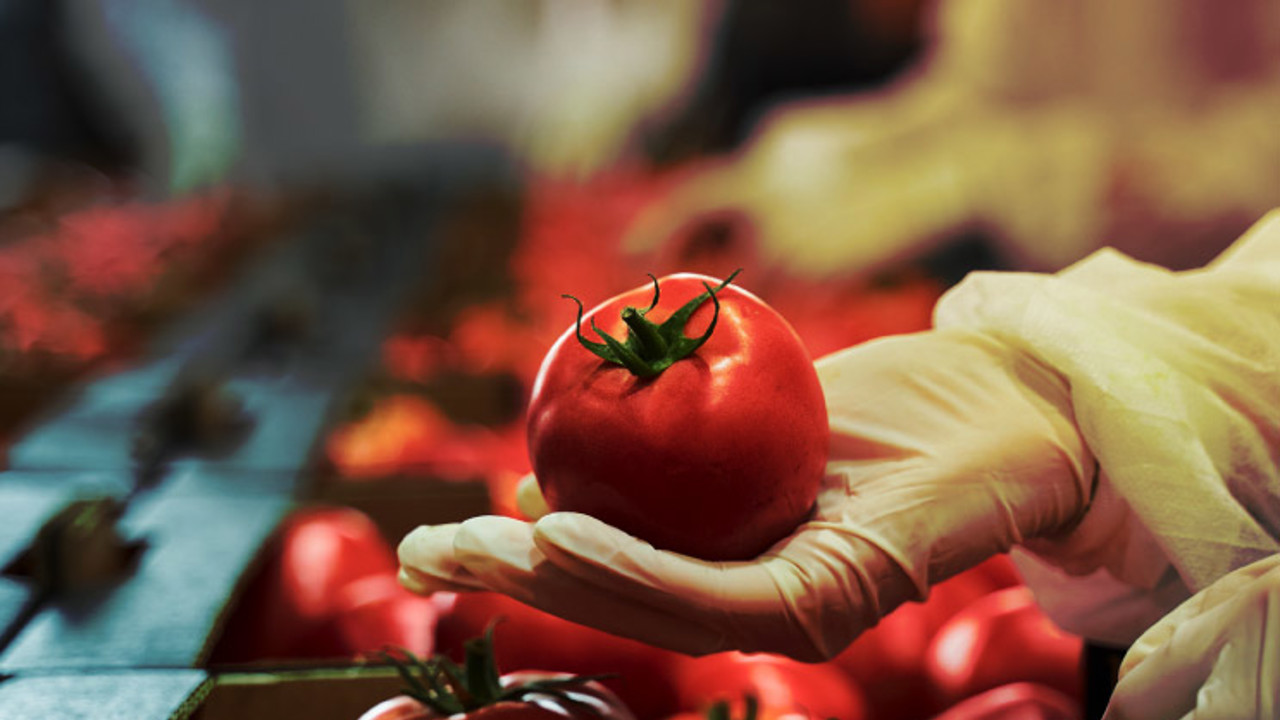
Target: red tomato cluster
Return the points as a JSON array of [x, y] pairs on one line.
[[65, 287], [914, 665], [977, 648]]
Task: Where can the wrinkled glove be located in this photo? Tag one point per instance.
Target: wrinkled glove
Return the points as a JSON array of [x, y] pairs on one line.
[[947, 447], [1216, 656]]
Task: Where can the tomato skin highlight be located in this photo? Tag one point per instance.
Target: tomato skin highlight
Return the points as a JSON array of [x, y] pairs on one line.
[[589, 701], [718, 457], [527, 637], [400, 707], [1000, 639]]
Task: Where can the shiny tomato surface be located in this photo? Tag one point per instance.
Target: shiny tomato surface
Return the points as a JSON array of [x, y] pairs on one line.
[[1017, 701], [717, 457], [641, 675], [400, 707], [1000, 639], [323, 560], [588, 701]]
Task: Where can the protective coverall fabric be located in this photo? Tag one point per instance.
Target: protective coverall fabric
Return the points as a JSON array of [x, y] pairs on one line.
[[1175, 384]]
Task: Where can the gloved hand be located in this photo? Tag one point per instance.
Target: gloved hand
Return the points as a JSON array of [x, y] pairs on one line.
[[1216, 655], [947, 447]]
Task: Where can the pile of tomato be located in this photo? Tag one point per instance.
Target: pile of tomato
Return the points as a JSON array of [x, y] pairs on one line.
[[978, 647]]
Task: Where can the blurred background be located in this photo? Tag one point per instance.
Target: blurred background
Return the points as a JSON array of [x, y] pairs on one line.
[[377, 206]]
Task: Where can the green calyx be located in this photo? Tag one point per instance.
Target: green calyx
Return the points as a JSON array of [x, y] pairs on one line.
[[651, 348], [447, 688]]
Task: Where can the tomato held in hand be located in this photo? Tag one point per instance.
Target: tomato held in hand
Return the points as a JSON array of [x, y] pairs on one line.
[[704, 432], [439, 688]]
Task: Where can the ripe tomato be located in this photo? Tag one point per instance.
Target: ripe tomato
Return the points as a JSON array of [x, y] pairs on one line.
[[400, 707], [589, 701], [1018, 701], [784, 688], [888, 660], [716, 453], [1000, 639], [290, 607], [527, 637], [439, 688], [376, 612]]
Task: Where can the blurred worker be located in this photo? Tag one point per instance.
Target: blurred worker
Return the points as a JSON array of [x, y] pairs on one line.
[[199, 92], [1117, 422], [1055, 129]]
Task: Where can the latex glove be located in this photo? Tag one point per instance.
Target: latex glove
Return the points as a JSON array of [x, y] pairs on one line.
[[1216, 656], [947, 447]]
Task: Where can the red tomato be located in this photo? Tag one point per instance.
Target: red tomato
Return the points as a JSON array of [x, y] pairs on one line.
[[784, 688], [888, 660], [1000, 639], [400, 707], [588, 701], [527, 637], [290, 608], [376, 612], [324, 549], [473, 690], [1019, 701], [719, 456]]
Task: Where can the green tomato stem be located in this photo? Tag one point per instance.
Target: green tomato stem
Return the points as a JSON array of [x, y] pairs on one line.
[[651, 348]]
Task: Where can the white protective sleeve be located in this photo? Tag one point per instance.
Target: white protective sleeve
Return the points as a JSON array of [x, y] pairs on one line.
[[1175, 381]]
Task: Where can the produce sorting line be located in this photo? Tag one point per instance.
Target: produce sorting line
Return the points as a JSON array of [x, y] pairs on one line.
[[253, 380]]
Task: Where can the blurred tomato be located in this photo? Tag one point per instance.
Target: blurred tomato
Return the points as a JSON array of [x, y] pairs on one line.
[[1000, 639], [1019, 701], [888, 661], [376, 612], [400, 707], [785, 688], [530, 638], [290, 608]]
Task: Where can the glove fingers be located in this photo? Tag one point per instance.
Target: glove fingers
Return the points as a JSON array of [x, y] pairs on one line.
[[427, 562], [529, 499], [745, 601], [423, 584], [595, 550], [501, 553]]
